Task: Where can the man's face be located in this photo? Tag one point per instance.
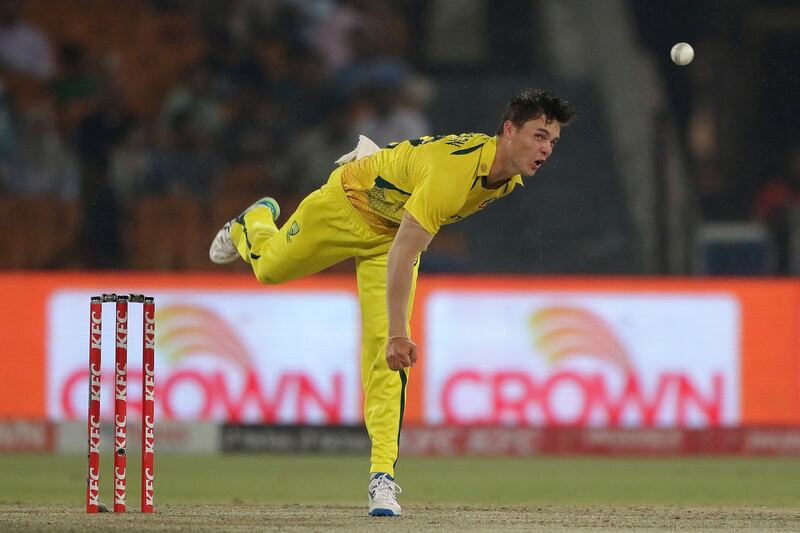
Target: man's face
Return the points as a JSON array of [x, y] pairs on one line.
[[529, 146]]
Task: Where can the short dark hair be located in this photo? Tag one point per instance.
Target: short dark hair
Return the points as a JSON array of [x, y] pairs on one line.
[[531, 104]]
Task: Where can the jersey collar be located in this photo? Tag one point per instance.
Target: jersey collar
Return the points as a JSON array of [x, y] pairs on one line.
[[487, 158]]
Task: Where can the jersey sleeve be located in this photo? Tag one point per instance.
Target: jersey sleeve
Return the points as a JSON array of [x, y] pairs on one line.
[[439, 194]]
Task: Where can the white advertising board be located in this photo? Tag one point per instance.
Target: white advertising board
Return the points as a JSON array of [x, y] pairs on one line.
[[582, 359], [228, 356]]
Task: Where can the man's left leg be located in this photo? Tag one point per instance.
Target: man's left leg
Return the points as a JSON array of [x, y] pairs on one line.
[[384, 389]]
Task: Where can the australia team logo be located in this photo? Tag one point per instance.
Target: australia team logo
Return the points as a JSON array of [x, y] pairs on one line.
[[294, 229]]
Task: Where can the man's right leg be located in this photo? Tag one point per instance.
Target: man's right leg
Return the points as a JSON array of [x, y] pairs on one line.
[[313, 238], [324, 230], [223, 250]]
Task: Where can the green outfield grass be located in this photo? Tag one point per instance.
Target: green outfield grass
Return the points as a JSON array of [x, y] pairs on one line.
[[185, 479]]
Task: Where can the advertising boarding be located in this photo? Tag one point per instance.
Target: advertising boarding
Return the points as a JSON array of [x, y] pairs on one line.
[[288, 357], [533, 358]]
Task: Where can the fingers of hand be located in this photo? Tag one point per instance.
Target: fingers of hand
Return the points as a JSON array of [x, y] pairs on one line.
[[392, 363], [397, 360], [393, 360]]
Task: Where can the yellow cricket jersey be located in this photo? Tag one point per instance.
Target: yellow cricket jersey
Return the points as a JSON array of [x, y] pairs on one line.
[[438, 180]]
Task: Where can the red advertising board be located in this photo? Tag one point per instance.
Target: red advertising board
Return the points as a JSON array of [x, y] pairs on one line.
[[515, 351]]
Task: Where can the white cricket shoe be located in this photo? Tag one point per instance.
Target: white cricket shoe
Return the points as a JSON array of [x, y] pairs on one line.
[[223, 250], [382, 495]]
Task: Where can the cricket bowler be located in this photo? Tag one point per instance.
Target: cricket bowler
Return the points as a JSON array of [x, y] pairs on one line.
[[383, 207]]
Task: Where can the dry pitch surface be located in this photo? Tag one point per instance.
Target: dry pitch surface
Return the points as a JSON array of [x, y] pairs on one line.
[[328, 493], [417, 518]]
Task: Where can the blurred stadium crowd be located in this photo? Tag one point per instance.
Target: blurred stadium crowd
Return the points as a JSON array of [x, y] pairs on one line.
[[130, 131]]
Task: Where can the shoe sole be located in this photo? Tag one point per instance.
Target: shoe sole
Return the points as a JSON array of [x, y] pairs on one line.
[[382, 512], [221, 260]]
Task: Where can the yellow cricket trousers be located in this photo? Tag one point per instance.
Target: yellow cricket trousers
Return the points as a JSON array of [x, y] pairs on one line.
[[324, 230]]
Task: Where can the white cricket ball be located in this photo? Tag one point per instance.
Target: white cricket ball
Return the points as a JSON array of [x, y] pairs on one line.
[[682, 54]]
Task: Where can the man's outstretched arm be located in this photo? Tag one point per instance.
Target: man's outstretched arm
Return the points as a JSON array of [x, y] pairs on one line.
[[411, 240]]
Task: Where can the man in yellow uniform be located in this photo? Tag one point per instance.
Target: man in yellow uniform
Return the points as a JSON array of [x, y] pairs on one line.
[[383, 207]]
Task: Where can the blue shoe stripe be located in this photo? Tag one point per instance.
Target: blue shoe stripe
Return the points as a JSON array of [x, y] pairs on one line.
[[381, 512]]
